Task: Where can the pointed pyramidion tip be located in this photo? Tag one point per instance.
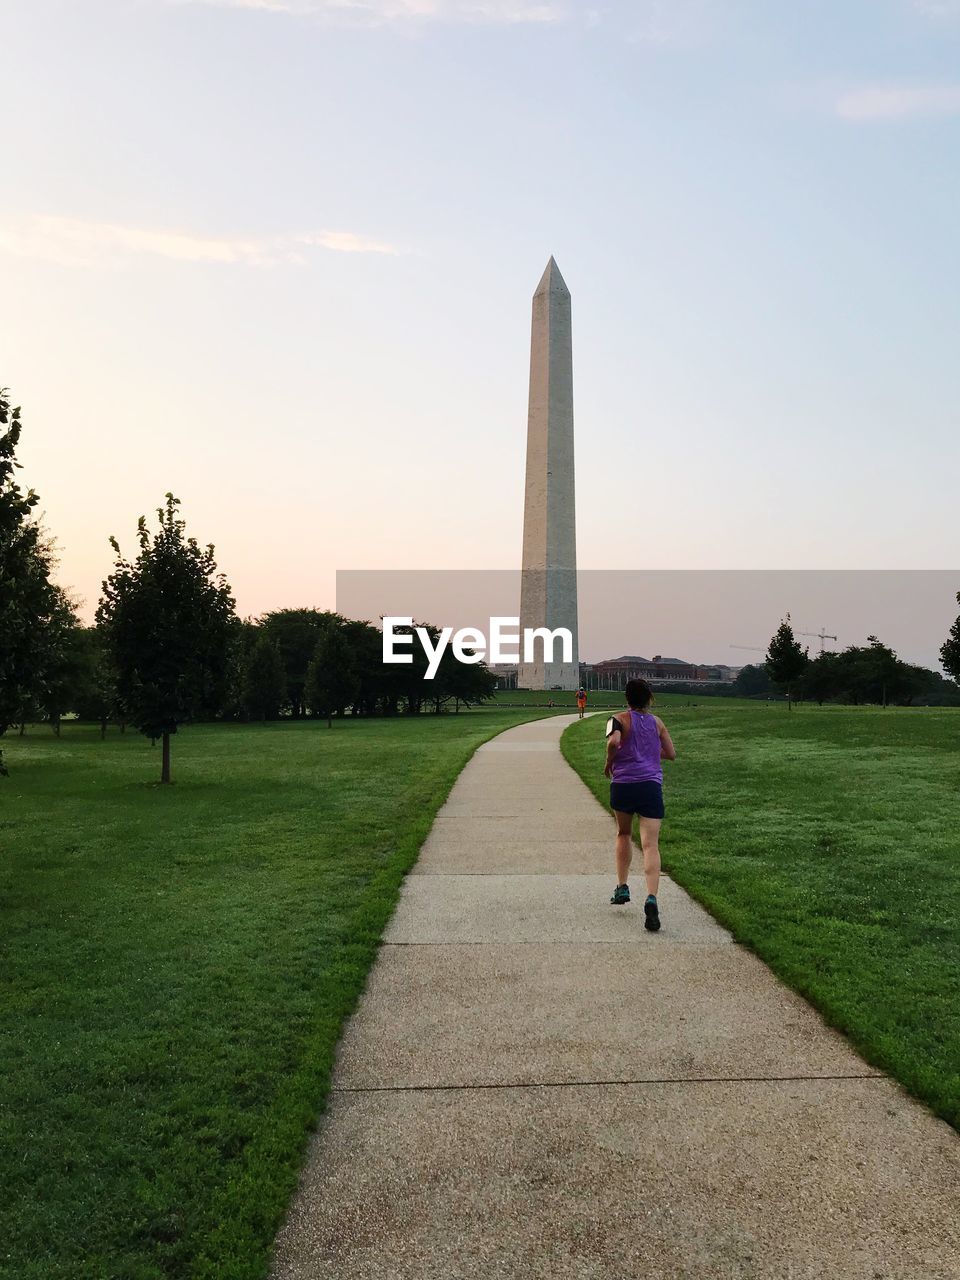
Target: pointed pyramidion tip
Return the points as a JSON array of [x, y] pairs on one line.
[[552, 281]]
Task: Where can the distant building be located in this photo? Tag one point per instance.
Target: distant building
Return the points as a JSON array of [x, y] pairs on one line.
[[506, 675], [632, 667], [613, 673], [720, 671]]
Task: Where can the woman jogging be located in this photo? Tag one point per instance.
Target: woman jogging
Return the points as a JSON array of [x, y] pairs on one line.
[[637, 742]]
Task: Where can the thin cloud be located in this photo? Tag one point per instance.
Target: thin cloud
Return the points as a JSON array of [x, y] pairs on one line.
[[899, 102], [379, 12], [938, 8], [74, 242], [344, 242], [672, 23], [650, 22]]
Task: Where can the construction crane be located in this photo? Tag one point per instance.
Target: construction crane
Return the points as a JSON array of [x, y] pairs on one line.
[[820, 635]]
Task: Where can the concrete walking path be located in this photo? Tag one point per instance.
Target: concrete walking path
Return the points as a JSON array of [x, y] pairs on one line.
[[534, 1087]]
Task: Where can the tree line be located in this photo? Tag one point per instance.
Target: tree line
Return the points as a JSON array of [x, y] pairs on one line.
[[168, 647], [860, 674]]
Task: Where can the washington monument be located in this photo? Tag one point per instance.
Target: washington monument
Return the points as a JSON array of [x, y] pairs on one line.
[[548, 592]]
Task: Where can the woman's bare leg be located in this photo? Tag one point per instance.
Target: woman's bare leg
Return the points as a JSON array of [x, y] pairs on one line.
[[624, 844], [650, 844]]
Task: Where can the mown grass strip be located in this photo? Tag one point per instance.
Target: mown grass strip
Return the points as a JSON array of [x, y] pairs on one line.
[[177, 964]]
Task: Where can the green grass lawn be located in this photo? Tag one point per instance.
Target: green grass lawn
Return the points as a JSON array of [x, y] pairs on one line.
[[176, 965], [565, 703], [826, 839], [177, 962], [597, 699]]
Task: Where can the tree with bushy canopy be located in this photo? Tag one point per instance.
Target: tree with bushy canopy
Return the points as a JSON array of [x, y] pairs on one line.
[[786, 661], [167, 619], [751, 681], [64, 662], [375, 693], [937, 691], [462, 683], [407, 682], [96, 693], [824, 678], [29, 601], [950, 651], [296, 633], [263, 683], [332, 677], [873, 673]]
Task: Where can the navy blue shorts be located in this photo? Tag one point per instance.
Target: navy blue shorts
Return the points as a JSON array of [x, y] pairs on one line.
[[644, 798]]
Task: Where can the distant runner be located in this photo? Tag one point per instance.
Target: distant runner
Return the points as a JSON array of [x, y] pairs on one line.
[[581, 701], [637, 742]]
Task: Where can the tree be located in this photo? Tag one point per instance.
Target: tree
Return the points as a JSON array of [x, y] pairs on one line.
[[459, 682], [28, 599], [332, 679], [823, 678], [167, 619], [918, 684], [470, 685], [751, 681], [873, 673], [263, 683], [296, 633], [936, 691], [786, 661], [243, 637], [891, 679], [96, 693], [373, 694], [63, 661], [950, 652]]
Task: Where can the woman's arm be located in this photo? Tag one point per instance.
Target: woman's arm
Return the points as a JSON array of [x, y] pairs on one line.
[[613, 746], [667, 750]]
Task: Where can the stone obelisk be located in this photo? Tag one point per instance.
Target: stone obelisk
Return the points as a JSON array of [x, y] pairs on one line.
[[548, 593]]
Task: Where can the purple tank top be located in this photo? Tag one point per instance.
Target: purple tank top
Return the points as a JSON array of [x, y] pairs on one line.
[[638, 759]]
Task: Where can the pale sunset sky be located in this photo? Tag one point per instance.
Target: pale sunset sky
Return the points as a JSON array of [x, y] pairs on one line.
[[278, 255]]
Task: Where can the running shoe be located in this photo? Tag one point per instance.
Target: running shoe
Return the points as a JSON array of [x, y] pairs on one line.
[[621, 894], [652, 913]]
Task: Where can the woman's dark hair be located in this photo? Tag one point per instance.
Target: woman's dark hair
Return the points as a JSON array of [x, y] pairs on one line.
[[639, 694]]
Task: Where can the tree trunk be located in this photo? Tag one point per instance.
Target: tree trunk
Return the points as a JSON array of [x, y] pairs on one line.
[[23, 729], [103, 730], [165, 766], [330, 720]]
